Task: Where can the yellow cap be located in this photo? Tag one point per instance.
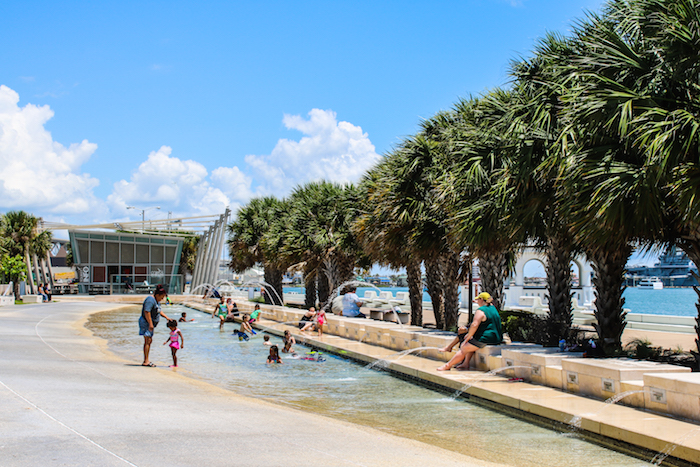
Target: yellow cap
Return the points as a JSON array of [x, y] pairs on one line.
[[483, 296]]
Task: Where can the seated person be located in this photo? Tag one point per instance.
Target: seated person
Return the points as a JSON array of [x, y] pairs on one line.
[[232, 310], [485, 329], [308, 318], [289, 341], [254, 315], [352, 304], [266, 340]]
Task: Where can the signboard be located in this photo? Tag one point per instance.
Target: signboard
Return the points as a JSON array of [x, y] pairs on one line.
[[64, 275]]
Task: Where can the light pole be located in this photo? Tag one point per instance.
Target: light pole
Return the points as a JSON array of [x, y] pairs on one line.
[[143, 212]]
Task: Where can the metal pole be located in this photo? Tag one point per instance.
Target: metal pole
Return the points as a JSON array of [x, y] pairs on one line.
[[471, 290]]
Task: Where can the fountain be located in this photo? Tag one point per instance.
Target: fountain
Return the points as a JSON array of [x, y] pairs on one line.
[[661, 456], [269, 287], [483, 377], [575, 422], [353, 283], [384, 362]]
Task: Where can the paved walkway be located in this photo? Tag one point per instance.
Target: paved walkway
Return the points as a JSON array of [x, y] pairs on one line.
[[66, 400]]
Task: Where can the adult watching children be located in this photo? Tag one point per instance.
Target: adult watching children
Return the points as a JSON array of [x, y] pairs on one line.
[[485, 329], [150, 315], [352, 304]]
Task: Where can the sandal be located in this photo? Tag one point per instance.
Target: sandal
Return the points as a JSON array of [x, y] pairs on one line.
[[152, 365]]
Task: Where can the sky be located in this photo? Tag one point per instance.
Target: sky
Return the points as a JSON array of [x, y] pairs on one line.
[[195, 106]]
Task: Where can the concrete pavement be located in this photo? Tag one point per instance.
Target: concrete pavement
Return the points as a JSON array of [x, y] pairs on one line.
[[66, 400]]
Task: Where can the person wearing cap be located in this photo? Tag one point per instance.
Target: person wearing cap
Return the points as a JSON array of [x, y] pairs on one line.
[[150, 315], [485, 329]]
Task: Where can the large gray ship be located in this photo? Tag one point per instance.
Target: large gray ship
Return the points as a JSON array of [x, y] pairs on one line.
[[674, 269]]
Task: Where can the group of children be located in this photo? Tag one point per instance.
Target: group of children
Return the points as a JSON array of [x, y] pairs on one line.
[[176, 340]]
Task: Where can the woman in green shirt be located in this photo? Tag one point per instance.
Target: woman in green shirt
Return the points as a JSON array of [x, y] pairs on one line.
[[485, 329]]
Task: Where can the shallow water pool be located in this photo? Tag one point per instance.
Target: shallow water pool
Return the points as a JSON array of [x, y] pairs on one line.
[[343, 389]]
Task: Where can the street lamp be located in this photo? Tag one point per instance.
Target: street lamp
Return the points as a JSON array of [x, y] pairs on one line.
[[143, 211]]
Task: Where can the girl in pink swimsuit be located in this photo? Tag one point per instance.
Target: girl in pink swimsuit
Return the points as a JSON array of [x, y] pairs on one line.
[[320, 321], [176, 340]]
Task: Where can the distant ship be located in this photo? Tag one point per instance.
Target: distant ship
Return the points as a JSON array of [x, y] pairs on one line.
[[674, 269]]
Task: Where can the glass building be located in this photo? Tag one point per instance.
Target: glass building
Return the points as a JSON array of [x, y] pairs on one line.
[[125, 262]]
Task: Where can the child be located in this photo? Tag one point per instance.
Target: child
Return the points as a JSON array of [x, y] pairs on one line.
[[183, 318], [176, 340], [254, 315], [288, 342], [274, 356], [320, 321], [245, 325], [242, 336], [266, 340], [222, 311]]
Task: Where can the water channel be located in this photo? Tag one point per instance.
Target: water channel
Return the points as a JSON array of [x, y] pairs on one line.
[[345, 390]]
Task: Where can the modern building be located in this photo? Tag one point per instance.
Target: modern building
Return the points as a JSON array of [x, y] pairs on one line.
[[117, 262]]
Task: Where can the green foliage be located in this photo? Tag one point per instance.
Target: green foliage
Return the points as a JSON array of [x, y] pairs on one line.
[[13, 268], [642, 349], [524, 327]]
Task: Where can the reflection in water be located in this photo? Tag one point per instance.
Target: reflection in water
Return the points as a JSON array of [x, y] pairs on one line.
[[338, 388]]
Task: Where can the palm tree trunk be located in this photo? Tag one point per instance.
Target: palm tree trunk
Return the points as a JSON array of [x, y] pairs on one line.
[[322, 285], [415, 291], [310, 285], [493, 269], [609, 278], [32, 289], [691, 247], [273, 276], [450, 277], [559, 293], [433, 279]]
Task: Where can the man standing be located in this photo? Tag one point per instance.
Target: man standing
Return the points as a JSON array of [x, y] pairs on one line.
[[352, 304], [150, 315]]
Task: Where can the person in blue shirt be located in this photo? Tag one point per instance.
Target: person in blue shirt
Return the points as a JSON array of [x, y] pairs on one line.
[[150, 315], [352, 304]]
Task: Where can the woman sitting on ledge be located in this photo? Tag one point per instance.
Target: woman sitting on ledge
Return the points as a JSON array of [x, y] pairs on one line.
[[485, 329]]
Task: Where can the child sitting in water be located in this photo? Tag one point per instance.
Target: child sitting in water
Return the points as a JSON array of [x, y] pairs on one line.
[[245, 325], [288, 342], [183, 318], [176, 340], [266, 340], [274, 356]]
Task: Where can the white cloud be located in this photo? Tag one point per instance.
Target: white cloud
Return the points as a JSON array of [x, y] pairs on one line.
[[181, 186], [329, 150], [37, 173]]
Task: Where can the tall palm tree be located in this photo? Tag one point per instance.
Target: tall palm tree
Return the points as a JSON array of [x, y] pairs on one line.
[[615, 195], [385, 233], [246, 244], [318, 230]]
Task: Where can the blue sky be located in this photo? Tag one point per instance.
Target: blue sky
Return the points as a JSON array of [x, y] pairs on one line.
[[193, 106], [196, 105]]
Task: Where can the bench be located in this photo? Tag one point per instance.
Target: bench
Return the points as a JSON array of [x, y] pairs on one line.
[[32, 299]]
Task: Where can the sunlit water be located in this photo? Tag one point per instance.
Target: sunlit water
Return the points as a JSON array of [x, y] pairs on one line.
[[342, 389]]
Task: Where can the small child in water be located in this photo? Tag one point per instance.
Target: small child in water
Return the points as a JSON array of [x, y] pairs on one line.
[[242, 336], [183, 318], [176, 340], [266, 340], [245, 325], [274, 356], [289, 341]]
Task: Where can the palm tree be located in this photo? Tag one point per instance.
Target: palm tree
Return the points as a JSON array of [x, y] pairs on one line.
[[188, 257], [614, 192], [480, 154], [385, 233], [246, 244], [21, 236], [318, 231]]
